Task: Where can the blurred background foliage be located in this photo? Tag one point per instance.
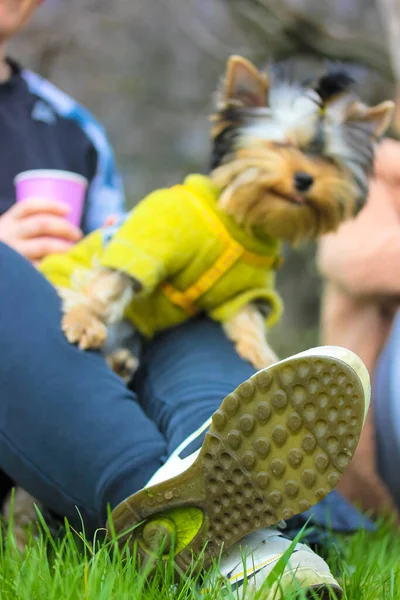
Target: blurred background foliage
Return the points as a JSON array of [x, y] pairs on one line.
[[148, 69]]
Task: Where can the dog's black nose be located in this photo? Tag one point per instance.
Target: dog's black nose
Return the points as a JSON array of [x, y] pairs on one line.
[[303, 181]]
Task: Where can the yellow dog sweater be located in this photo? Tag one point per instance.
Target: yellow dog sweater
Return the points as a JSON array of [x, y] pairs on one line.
[[188, 256]]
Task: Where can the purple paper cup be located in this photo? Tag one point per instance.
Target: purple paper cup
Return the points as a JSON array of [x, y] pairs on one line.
[[64, 186]]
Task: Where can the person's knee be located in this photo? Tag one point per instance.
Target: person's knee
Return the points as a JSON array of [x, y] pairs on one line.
[[199, 347], [185, 375]]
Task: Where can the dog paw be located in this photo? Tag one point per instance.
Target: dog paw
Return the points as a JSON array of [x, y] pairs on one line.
[[258, 356], [123, 363], [83, 328]]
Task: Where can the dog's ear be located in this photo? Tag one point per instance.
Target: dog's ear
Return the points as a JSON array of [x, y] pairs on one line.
[[376, 119], [244, 85]]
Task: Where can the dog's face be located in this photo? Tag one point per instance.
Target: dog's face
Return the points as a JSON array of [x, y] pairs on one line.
[[292, 161]]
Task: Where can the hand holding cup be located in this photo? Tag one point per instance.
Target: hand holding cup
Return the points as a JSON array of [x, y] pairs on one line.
[[38, 227], [46, 218]]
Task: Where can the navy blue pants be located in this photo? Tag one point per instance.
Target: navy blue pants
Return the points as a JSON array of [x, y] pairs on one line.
[[72, 434]]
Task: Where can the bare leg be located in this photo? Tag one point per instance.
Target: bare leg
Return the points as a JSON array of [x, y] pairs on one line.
[[247, 330], [363, 327]]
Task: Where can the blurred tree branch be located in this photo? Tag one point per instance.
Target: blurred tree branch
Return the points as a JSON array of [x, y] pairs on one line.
[[291, 33]]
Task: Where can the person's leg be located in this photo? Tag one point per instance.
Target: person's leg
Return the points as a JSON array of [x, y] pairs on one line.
[[387, 412], [185, 374], [71, 433], [363, 327], [275, 446]]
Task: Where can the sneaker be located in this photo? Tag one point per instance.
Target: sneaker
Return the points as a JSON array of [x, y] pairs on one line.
[[275, 447], [244, 569]]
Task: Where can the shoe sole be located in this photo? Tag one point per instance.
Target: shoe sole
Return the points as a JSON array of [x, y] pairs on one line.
[[276, 446]]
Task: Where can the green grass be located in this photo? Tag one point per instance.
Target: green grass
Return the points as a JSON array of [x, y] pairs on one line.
[[69, 568]]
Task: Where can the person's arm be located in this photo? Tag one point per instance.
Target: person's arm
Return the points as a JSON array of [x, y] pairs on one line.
[[105, 194], [361, 264], [105, 199], [363, 257]]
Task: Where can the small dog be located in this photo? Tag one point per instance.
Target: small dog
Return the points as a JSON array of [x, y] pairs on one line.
[[289, 162]]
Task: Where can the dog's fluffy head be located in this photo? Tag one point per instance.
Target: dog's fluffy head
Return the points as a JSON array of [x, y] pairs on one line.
[[292, 160]]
